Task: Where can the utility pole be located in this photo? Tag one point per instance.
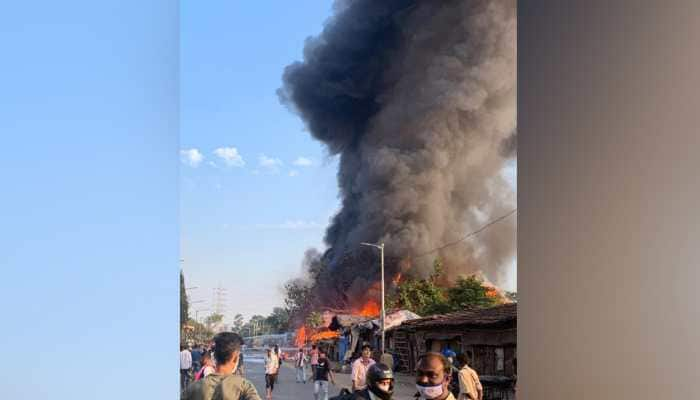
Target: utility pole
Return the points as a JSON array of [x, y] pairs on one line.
[[380, 246]]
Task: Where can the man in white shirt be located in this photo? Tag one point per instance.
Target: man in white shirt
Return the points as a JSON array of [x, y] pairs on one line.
[[360, 367], [185, 366], [272, 366], [300, 363]]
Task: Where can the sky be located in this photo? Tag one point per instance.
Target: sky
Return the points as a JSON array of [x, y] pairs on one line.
[[88, 245], [256, 190]]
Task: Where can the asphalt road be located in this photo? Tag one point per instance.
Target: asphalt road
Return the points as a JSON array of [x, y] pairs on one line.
[[286, 388]]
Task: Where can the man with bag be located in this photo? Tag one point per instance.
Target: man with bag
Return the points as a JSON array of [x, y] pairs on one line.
[[223, 384]]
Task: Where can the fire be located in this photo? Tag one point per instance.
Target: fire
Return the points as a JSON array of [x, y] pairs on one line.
[[300, 339], [325, 334], [303, 335], [397, 279], [369, 309], [492, 292]]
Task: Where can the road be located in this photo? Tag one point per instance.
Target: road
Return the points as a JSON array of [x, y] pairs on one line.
[[286, 388]]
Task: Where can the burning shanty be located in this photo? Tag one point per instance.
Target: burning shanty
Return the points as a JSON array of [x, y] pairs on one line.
[[344, 336]]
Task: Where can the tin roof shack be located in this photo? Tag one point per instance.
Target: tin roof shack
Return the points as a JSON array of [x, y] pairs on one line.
[[488, 336], [364, 330], [349, 337]]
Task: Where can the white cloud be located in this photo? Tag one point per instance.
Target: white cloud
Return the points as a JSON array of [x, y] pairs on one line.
[[303, 162], [191, 157], [293, 172], [271, 164], [230, 156]]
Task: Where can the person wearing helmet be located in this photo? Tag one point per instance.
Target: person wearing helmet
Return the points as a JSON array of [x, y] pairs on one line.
[[380, 384]]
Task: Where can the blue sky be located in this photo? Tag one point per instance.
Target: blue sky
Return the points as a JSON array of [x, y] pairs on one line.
[[88, 245], [256, 190]]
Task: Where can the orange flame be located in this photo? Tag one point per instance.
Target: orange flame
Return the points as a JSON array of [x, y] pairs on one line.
[[492, 292], [369, 309], [397, 279], [300, 339], [325, 334]]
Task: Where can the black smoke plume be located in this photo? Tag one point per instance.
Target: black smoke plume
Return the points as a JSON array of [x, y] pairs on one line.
[[418, 100]]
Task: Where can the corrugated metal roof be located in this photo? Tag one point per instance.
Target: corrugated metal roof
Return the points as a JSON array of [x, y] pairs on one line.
[[470, 317]]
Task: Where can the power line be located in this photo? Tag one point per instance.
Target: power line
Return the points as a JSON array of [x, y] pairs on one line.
[[473, 233]]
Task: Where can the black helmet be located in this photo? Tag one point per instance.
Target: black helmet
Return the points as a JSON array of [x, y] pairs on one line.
[[376, 373]]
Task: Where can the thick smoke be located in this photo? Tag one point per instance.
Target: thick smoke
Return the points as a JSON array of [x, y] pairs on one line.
[[418, 99]]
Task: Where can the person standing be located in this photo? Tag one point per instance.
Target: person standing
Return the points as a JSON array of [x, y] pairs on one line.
[[314, 359], [433, 377], [321, 375], [207, 367], [300, 363], [185, 367], [197, 352], [469, 384], [271, 370], [223, 383], [360, 367]]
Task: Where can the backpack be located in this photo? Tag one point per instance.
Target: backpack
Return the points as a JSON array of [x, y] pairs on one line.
[[200, 374]]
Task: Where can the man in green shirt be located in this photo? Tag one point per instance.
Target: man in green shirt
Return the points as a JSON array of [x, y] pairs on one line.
[[223, 384]]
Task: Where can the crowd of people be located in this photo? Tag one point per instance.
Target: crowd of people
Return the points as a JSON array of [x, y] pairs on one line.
[[197, 362], [215, 372]]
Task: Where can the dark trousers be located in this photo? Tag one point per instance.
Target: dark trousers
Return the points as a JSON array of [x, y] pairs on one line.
[[184, 378]]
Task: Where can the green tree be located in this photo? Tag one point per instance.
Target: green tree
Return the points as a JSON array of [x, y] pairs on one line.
[[278, 321], [434, 296], [422, 296], [298, 297], [238, 323], [255, 326], [469, 292], [201, 332], [314, 320], [184, 305], [213, 319]]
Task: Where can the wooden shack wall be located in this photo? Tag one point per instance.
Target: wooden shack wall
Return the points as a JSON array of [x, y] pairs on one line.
[[481, 343]]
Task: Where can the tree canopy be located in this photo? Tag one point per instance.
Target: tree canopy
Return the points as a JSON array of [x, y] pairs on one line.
[[184, 306], [427, 296]]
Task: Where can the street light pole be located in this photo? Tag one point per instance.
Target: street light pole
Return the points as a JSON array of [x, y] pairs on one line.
[[383, 318]]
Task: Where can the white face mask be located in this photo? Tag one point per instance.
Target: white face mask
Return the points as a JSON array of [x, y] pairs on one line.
[[429, 392]]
